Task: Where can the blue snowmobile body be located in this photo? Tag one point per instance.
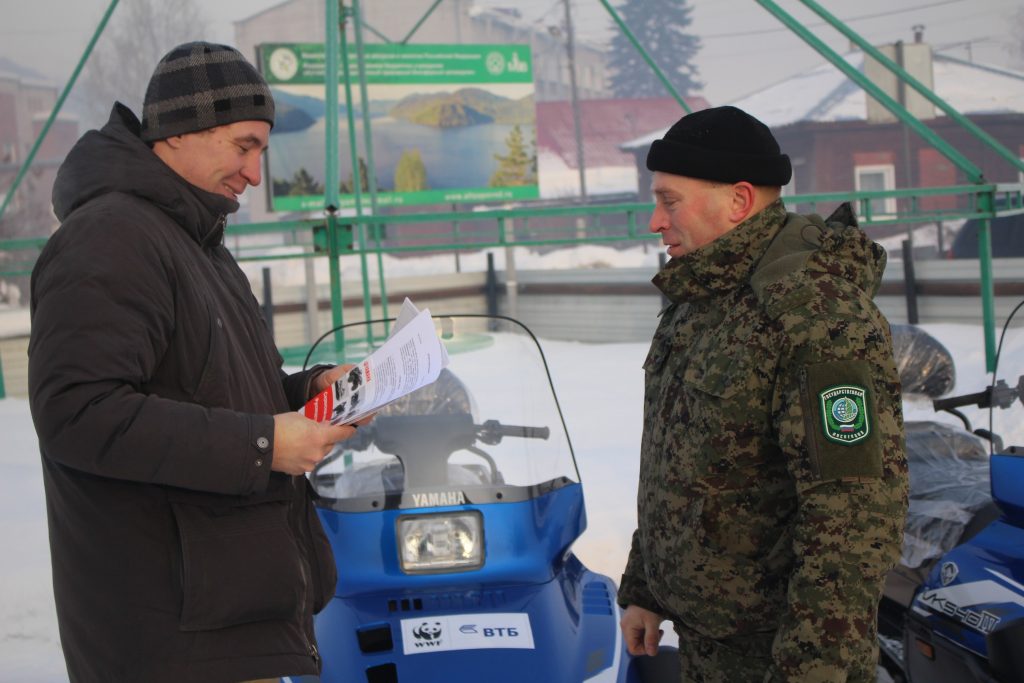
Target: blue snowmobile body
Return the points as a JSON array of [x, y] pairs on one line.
[[958, 616], [453, 537], [970, 609]]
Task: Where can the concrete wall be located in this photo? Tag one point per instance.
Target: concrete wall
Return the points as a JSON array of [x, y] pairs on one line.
[[948, 291], [594, 305]]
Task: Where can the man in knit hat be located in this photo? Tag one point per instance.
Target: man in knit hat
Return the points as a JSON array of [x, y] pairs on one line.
[[184, 543], [773, 481]]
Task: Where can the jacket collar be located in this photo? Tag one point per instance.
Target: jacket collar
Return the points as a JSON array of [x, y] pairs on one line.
[[724, 264], [115, 159]]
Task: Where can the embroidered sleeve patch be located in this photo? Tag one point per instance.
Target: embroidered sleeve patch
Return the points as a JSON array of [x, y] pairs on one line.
[[840, 422], [844, 413]]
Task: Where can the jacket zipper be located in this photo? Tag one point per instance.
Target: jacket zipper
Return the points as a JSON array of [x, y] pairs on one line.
[[307, 598], [306, 601]]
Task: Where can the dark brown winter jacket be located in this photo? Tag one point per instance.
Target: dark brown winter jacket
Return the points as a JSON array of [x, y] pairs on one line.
[[177, 554]]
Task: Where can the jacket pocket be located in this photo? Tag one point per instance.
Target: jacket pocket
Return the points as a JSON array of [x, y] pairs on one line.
[[213, 386], [716, 374], [238, 565]]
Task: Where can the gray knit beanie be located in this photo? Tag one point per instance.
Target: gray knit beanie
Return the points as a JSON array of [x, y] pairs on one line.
[[202, 85]]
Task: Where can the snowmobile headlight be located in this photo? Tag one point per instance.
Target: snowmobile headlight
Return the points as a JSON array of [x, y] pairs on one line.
[[440, 542]]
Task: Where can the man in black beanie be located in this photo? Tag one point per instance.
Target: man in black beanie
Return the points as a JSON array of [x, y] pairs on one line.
[[773, 480], [184, 542]]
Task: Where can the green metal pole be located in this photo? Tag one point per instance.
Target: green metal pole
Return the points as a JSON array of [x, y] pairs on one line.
[[331, 181], [972, 172], [331, 103], [334, 262], [987, 294], [892, 66], [3, 390], [57, 107], [420, 22], [647, 58], [357, 179], [985, 203], [383, 38], [371, 166]]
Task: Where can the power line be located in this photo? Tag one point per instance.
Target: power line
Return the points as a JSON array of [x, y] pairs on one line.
[[862, 17]]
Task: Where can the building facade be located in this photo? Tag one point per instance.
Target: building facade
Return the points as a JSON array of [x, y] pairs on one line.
[[840, 139], [25, 106]]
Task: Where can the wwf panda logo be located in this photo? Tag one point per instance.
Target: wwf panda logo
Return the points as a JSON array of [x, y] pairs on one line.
[[428, 630]]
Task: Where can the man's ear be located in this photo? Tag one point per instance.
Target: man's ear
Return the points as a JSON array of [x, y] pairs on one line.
[[174, 142], [742, 201]]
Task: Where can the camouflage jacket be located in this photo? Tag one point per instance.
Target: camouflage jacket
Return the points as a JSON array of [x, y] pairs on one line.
[[773, 479]]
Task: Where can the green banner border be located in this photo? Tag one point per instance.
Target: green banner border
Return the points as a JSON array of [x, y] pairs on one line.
[[449, 196], [305, 64]]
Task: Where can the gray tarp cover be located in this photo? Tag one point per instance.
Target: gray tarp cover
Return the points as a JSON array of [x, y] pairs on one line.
[[949, 467], [949, 484]]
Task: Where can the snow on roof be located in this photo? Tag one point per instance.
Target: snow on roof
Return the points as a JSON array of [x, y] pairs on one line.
[[592, 27], [825, 94], [26, 77], [605, 123]]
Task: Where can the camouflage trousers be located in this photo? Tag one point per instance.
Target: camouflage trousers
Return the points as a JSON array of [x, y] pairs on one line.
[[744, 659], [740, 659]]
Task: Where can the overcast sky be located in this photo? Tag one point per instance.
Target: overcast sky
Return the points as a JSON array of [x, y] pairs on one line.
[[744, 47]]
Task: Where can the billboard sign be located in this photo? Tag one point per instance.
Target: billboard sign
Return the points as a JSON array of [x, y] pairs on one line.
[[451, 124]]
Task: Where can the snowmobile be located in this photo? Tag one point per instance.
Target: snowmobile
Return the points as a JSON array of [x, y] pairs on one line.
[[453, 535], [953, 609]]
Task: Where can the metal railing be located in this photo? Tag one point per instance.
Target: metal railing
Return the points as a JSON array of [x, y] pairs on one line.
[[335, 235]]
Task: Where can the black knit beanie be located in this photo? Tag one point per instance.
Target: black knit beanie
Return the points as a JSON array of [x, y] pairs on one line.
[[723, 144], [201, 85]]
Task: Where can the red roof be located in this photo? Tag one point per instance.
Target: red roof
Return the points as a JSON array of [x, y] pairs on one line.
[[606, 125]]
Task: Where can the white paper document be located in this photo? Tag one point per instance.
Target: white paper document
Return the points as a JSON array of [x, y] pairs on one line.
[[411, 357]]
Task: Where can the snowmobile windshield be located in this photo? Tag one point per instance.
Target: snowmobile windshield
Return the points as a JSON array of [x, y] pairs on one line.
[[489, 430]]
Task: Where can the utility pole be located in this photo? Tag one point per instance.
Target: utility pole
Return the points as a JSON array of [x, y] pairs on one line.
[[570, 47]]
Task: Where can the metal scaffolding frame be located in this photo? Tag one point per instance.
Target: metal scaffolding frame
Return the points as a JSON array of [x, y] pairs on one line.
[[335, 235]]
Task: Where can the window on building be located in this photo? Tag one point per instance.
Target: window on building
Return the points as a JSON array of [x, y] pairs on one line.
[[876, 177]]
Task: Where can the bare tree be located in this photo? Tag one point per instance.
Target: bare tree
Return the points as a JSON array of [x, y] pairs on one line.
[[140, 32]]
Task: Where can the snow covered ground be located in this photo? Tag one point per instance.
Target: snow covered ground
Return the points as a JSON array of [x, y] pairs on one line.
[[604, 425]]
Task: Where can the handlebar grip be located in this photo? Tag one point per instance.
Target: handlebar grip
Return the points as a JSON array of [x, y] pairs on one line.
[[980, 399], [525, 432], [492, 431]]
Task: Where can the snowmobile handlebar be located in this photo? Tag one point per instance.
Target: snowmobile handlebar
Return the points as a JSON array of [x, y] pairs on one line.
[[999, 395], [404, 433], [491, 432]]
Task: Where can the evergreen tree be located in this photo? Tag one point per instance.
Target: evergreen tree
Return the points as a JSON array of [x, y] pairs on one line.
[[348, 186], [518, 167], [410, 173], [305, 184], [660, 27], [302, 183]]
